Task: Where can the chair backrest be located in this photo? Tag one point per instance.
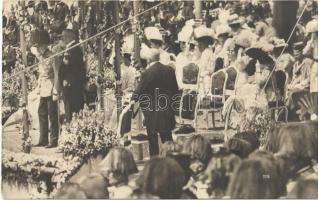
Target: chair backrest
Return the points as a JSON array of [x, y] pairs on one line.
[[219, 64], [125, 118], [218, 82], [190, 76], [282, 81], [188, 104], [231, 80]]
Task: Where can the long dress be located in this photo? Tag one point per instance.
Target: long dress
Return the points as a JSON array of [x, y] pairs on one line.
[[128, 85], [206, 66], [181, 61], [248, 102]]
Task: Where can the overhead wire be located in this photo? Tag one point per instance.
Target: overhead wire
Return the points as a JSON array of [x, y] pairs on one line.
[[289, 38], [84, 41]]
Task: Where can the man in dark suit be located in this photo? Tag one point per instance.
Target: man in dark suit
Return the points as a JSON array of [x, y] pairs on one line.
[[156, 94], [72, 75]]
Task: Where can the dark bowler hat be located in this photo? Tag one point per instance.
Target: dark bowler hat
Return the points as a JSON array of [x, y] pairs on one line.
[[39, 37]]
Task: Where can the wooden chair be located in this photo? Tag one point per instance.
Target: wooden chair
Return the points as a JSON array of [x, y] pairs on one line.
[[279, 106], [138, 147], [190, 85], [214, 100]]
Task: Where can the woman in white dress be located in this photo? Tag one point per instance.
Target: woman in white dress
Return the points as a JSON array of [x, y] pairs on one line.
[[250, 100], [204, 37]]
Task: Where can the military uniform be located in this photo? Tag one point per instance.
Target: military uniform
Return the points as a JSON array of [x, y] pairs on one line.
[[47, 107]]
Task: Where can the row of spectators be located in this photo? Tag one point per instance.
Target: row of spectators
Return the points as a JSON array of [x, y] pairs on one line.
[[190, 168]]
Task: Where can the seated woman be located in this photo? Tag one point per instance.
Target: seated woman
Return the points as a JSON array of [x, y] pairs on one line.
[[242, 78], [250, 98], [204, 37], [184, 57], [116, 167], [128, 84]]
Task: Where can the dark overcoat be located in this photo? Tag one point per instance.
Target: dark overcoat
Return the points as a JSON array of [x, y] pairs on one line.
[[156, 93], [74, 74]]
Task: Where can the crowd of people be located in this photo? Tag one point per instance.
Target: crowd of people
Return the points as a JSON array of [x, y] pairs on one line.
[[189, 168], [180, 55]]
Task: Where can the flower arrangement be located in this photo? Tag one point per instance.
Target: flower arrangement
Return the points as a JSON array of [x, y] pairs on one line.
[[106, 79], [87, 135], [43, 172], [27, 144]]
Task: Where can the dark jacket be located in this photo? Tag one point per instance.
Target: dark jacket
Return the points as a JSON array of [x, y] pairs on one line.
[[156, 94], [75, 75]]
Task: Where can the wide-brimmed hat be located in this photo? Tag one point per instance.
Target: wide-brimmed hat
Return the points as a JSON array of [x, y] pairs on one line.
[[312, 26], [278, 43], [185, 34], [153, 33], [203, 31], [243, 40], [148, 53], [222, 29], [234, 19], [260, 51], [190, 22]]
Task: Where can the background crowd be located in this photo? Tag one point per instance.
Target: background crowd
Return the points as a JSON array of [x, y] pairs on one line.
[[240, 169], [237, 35]]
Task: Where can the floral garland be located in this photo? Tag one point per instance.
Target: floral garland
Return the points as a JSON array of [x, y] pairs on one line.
[[87, 135], [42, 171]]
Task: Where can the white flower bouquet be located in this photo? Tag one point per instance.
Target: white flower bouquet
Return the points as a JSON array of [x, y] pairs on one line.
[[87, 135]]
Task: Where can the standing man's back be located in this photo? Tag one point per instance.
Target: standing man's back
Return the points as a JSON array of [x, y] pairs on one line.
[[156, 93]]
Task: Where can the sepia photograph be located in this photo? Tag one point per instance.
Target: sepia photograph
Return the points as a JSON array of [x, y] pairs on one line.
[[159, 99]]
